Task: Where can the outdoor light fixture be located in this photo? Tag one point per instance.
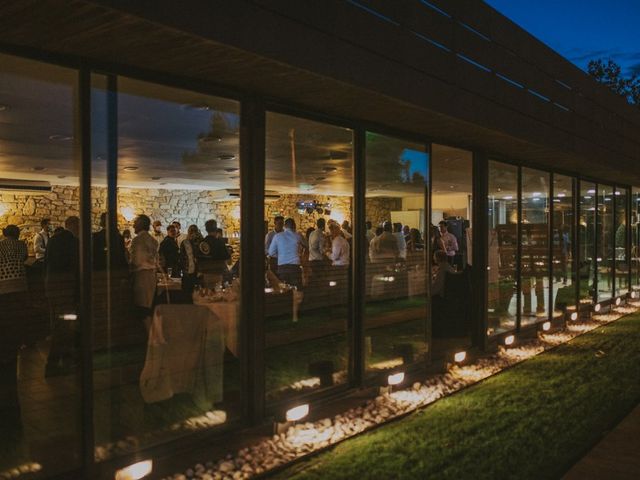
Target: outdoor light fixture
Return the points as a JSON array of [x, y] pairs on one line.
[[459, 357], [634, 294], [597, 307], [618, 301], [546, 326], [574, 316], [297, 413], [395, 378], [333, 283], [69, 316], [509, 339], [135, 471]]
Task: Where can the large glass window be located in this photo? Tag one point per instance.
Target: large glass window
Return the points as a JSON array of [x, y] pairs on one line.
[[605, 231], [396, 268], [40, 400], [165, 266], [534, 240], [308, 211], [563, 277], [502, 209], [621, 261], [586, 240], [451, 219]]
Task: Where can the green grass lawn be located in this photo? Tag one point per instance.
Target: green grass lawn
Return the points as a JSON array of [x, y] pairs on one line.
[[532, 421]]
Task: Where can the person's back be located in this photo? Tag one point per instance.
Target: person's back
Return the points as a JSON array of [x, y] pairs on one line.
[[61, 267], [387, 246], [286, 246]]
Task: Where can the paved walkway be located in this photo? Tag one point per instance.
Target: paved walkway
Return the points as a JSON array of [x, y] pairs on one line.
[[616, 457]]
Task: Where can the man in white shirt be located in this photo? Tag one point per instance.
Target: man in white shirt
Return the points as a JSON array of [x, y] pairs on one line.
[[369, 233], [317, 241], [339, 254], [41, 239], [449, 240], [144, 264], [339, 274], [285, 246]]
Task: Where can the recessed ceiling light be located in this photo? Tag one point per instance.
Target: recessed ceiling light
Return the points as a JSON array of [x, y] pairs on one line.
[[38, 169], [319, 179], [130, 169], [4, 107], [163, 183], [235, 177], [62, 176], [198, 106], [231, 170], [329, 169], [60, 138], [156, 178], [226, 156]]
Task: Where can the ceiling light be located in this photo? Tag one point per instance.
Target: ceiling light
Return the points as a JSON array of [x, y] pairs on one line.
[[4, 107], [319, 179], [60, 138], [329, 169], [62, 176], [508, 197], [231, 170], [130, 169], [560, 195], [38, 169], [591, 191], [156, 178], [226, 156]]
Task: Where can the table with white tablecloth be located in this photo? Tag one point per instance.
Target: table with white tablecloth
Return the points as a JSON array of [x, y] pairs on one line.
[[185, 353]]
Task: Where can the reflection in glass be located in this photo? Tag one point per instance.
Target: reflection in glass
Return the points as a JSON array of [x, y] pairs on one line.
[[605, 230], [563, 278], [534, 238], [451, 202], [395, 311], [39, 323], [502, 205], [621, 262], [165, 267], [308, 205], [586, 240]]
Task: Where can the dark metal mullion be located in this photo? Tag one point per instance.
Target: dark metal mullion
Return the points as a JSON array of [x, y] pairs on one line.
[[550, 237], [83, 129], [614, 205], [519, 252], [596, 236], [357, 360], [575, 241], [428, 253], [252, 184], [480, 245], [628, 238]]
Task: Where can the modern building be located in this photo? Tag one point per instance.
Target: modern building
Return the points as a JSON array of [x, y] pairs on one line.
[[402, 114]]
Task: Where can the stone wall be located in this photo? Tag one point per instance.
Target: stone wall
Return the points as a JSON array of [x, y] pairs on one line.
[[379, 209], [286, 205]]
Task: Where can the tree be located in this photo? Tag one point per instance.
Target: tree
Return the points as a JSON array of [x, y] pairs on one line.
[[609, 73]]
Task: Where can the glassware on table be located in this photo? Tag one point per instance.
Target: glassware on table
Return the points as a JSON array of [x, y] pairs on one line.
[[169, 271]]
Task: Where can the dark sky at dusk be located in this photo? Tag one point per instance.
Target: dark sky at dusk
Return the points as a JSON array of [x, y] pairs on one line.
[[581, 30]]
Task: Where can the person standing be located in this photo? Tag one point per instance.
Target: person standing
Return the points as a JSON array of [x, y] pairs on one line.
[[384, 248], [402, 243], [180, 237], [62, 290], [286, 246], [13, 288], [188, 260], [369, 233], [449, 241], [41, 239], [144, 264], [212, 255], [170, 252], [157, 232], [278, 226]]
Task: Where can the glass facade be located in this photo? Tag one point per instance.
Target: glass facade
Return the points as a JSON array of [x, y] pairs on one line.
[[563, 276], [308, 244], [172, 349], [395, 319], [534, 245], [502, 271], [587, 242]]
